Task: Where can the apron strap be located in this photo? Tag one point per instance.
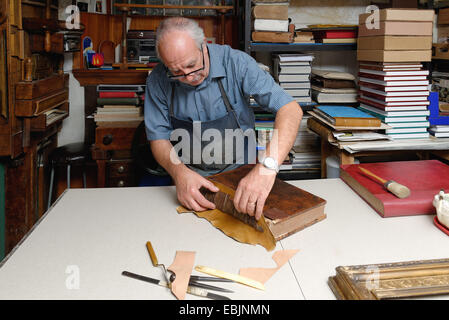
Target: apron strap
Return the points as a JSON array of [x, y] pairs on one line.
[[225, 97]]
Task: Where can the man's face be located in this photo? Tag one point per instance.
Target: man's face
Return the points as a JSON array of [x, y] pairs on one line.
[[184, 60]]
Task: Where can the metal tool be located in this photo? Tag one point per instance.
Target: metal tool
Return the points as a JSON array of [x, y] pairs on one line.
[[190, 289], [156, 263], [234, 277], [224, 203], [193, 281]]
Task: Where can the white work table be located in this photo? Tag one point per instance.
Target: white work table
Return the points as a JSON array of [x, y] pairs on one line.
[[92, 235]]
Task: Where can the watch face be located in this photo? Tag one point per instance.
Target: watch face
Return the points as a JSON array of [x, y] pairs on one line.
[[270, 163]]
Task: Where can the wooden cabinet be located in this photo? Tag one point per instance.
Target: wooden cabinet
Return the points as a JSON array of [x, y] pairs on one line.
[[28, 125]]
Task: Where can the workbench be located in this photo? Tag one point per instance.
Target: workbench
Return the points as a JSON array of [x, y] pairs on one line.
[[80, 247]]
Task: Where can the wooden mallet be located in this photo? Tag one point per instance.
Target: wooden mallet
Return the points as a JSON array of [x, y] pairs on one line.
[[395, 188]]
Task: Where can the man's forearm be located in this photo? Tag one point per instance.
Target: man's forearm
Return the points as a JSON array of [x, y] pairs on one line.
[[286, 126], [162, 152]]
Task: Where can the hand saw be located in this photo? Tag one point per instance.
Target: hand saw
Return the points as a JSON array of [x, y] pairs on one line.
[[224, 203]]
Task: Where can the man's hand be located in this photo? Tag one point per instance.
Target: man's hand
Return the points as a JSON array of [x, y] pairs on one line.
[[188, 184], [253, 190]]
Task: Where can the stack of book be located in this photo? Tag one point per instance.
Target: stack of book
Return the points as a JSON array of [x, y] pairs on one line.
[[393, 84], [398, 35], [333, 87], [270, 21], [119, 105], [439, 131], [397, 93], [292, 72], [305, 155]]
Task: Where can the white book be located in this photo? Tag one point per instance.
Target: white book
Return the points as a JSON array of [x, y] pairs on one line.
[[409, 98], [396, 73], [405, 108], [440, 134], [294, 69], [289, 57], [298, 92], [397, 136], [303, 99], [293, 63], [395, 113], [293, 77], [439, 128], [406, 88], [389, 120], [271, 25], [406, 130], [395, 93], [392, 65], [422, 124], [401, 103], [395, 83], [295, 85]]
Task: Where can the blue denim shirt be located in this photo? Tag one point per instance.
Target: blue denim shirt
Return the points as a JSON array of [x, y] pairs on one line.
[[241, 78]]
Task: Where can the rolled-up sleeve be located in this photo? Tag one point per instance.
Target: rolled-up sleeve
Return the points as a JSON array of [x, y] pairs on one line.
[[261, 86], [157, 120]]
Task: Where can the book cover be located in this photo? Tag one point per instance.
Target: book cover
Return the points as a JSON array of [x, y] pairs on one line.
[[424, 178], [392, 88], [286, 57], [129, 101], [365, 107], [394, 93], [391, 78], [270, 25], [323, 97], [412, 135], [117, 94], [396, 73], [391, 108], [394, 55], [270, 11], [335, 34], [379, 97], [271, 36], [288, 209], [347, 116], [395, 83]]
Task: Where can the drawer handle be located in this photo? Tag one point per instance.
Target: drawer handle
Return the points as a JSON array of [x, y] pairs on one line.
[[121, 169], [121, 183], [107, 139]]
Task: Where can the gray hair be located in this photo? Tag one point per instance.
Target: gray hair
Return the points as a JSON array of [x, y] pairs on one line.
[[179, 24]]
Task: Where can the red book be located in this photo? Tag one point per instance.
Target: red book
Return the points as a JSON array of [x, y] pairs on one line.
[[424, 178], [334, 34], [117, 94]]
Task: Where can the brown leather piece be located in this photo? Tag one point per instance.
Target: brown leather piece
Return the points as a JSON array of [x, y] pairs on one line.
[[182, 267], [236, 229]]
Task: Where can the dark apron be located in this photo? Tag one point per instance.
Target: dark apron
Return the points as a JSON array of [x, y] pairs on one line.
[[211, 162]]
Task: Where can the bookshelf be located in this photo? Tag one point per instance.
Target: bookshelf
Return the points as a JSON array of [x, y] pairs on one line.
[[250, 46]]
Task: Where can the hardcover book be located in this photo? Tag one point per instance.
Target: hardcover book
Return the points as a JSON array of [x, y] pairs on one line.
[[347, 116], [424, 178], [288, 209]]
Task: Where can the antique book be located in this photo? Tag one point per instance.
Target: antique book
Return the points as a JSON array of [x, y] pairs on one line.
[[288, 209], [270, 11], [271, 36], [270, 25], [323, 97], [347, 116], [424, 178]]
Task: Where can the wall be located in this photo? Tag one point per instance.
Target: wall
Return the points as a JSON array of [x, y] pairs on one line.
[[302, 12]]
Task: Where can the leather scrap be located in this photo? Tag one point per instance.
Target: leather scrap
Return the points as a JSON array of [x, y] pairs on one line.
[[264, 274], [182, 267], [236, 229]]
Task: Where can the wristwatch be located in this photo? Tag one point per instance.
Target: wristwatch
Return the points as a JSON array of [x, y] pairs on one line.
[[270, 163]]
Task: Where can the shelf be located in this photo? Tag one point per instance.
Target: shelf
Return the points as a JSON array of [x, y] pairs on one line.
[[265, 46], [94, 77]]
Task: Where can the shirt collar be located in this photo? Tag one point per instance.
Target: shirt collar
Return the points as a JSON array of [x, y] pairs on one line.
[[216, 68]]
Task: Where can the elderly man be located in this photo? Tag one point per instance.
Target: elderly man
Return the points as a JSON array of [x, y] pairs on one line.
[[202, 88]]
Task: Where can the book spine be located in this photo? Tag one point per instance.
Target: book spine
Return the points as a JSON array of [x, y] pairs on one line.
[[120, 94], [354, 122], [129, 101]]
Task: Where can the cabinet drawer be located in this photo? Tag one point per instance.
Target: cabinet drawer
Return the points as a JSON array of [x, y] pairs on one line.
[[120, 182], [114, 138], [119, 169]]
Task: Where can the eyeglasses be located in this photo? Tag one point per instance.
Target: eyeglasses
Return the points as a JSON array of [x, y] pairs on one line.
[[175, 77]]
